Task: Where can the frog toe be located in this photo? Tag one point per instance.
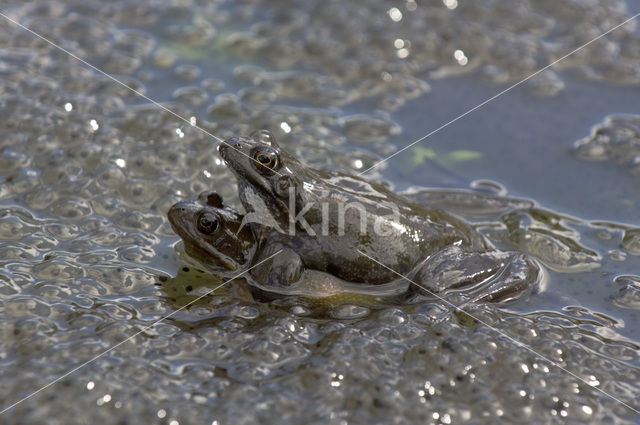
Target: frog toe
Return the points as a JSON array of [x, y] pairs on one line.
[[493, 276], [520, 275]]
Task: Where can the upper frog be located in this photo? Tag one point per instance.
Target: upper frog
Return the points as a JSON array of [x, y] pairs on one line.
[[213, 233], [354, 229]]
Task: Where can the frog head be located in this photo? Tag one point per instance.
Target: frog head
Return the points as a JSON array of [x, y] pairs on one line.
[[212, 233], [267, 174]]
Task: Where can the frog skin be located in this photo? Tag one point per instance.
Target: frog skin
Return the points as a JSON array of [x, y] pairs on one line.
[[229, 245], [213, 234], [423, 243]]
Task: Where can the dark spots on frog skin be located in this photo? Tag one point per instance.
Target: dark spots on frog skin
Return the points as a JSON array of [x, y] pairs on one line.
[[185, 269], [189, 288], [282, 186]]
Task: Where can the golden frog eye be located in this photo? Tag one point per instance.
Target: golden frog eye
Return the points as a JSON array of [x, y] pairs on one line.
[[266, 158], [208, 223]]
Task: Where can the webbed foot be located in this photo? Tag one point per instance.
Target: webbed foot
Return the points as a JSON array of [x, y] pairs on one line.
[[494, 276]]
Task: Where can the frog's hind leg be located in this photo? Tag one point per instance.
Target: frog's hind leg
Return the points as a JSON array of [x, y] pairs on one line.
[[468, 203], [462, 277]]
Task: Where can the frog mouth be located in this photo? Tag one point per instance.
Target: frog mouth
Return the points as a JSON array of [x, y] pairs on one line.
[[197, 252]]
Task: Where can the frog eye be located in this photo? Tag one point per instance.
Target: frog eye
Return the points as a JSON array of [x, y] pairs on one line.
[[208, 223], [266, 157]]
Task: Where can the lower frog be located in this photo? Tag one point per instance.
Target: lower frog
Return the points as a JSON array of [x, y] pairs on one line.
[[215, 236], [359, 231]]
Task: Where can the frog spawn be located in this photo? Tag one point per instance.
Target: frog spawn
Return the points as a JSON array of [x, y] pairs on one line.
[[83, 297], [616, 139]]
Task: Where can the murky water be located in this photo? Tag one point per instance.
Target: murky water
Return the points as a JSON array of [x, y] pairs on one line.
[[88, 170]]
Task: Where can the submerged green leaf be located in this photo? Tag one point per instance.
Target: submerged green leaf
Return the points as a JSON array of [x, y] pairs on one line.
[[168, 54], [461, 155], [420, 154]]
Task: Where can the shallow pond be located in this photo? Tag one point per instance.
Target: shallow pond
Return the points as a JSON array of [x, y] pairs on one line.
[[88, 170]]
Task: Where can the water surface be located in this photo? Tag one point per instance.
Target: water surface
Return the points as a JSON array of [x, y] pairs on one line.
[[88, 170]]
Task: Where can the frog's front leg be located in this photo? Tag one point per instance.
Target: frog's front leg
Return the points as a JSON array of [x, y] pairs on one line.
[[477, 276], [283, 268], [285, 258]]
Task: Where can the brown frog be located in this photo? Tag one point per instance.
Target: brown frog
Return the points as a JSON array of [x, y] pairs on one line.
[[359, 231]]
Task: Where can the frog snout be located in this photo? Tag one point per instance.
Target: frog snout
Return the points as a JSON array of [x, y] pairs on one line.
[[178, 211], [231, 144]]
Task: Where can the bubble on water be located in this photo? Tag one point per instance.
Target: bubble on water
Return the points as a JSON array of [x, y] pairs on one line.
[[300, 310], [617, 139], [362, 128], [187, 72], [617, 255], [212, 85], [392, 317], [628, 295], [631, 241], [191, 96], [350, 312], [546, 84], [246, 312]]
